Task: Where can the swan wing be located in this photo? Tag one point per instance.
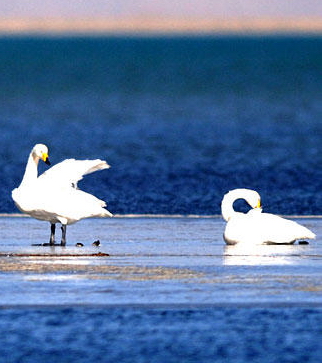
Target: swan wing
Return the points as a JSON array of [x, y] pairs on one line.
[[70, 171], [275, 229]]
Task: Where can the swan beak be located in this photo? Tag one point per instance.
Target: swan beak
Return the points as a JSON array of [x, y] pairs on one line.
[[258, 204], [45, 158]]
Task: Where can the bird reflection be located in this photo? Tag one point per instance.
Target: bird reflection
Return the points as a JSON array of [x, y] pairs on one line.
[[240, 254]]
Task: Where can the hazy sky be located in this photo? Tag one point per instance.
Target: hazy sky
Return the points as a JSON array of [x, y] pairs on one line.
[[160, 8]]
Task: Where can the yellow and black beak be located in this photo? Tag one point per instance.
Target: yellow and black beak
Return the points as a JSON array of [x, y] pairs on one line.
[[45, 158], [258, 204]]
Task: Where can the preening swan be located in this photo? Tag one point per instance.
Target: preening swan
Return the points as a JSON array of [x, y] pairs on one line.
[[256, 227], [54, 196]]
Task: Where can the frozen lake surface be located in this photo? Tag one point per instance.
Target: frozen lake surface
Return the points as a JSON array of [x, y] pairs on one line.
[[153, 261], [170, 290]]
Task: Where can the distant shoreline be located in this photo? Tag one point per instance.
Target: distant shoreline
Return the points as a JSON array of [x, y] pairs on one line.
[[148, 26]]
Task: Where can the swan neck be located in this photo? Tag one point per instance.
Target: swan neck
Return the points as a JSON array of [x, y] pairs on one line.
[[31, 171], [227, 209]]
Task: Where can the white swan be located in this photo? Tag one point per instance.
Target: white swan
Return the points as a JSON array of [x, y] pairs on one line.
[[54, 196], [256, 227]]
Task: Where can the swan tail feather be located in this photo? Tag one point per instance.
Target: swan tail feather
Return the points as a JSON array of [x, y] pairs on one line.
[[309, 234], [107, 213]]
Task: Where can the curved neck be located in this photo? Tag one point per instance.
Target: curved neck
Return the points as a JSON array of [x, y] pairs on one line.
[[31, 171], [227, 209]]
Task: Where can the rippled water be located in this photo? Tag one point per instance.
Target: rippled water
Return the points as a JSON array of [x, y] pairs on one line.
[[161, 335], [181, 120]]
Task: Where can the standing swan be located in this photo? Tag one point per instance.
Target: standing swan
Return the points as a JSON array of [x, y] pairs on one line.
[[54, 196], [256, 227]]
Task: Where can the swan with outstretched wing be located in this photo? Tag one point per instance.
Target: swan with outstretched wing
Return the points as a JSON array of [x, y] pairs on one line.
[[54, 195]]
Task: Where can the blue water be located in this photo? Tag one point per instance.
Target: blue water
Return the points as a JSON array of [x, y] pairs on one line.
[[181, 120], [214, 334]]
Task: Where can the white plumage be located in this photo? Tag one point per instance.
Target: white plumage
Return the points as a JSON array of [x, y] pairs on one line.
[[54, 196], [256, 227]]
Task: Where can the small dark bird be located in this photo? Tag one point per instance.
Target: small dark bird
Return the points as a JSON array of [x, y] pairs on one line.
[[96, 243], [79, 244]]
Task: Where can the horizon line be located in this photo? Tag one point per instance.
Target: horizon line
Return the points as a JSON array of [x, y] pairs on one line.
[[147, 25]]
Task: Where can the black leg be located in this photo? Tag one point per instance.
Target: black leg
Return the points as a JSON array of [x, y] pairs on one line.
[[52, 234], [63, 235]]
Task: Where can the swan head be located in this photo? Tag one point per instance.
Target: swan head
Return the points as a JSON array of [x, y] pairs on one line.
[[40, 151], [252, 198]]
